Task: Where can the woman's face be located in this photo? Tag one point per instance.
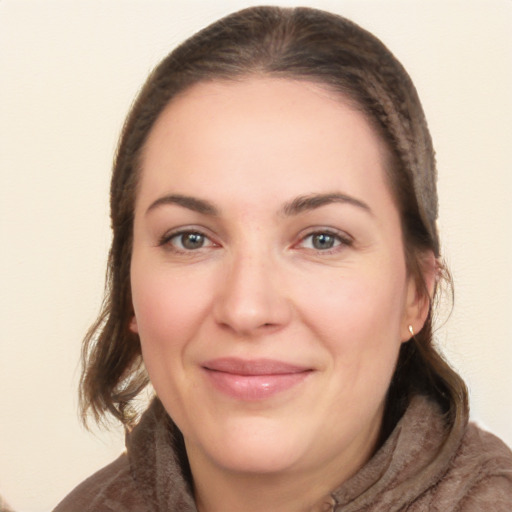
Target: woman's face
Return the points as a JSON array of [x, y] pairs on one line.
[[269, 284]]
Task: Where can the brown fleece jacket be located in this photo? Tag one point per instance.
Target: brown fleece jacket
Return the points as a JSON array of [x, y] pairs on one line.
[[421, 467]]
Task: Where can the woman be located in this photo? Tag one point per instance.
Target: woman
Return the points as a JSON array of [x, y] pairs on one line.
[[273, 274]]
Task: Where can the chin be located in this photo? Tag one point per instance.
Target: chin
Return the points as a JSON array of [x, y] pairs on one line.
[[258, 446], [268, 458]]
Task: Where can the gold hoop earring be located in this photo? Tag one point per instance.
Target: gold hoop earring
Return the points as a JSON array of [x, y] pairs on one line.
[[411, 330]]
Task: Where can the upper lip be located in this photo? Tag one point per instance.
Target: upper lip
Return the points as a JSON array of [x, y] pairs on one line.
[[248, 367]]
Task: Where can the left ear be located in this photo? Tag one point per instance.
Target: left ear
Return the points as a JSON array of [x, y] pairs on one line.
[[133, 325], [420, 290]]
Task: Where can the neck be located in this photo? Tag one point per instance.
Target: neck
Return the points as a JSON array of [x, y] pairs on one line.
[[304, 486], [262, 493], [217, 489]]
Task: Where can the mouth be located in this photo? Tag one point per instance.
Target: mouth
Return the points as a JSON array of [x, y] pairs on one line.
[[253, 380]]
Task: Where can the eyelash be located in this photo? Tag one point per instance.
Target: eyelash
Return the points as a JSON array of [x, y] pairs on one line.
[[340, 240], [166, 240]]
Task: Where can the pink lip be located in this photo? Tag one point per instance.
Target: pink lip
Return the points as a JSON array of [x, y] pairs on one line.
[[254, 379]]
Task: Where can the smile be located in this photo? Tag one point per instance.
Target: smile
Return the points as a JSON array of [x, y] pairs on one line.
[[253, 380]]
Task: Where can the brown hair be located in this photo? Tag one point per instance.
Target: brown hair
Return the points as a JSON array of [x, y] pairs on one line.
[[302, 44]]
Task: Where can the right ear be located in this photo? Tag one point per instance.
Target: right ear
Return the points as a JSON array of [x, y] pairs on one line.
[[133, 325]]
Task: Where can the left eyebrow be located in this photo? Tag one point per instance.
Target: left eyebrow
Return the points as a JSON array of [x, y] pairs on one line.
[[312, 201], [191, 203]]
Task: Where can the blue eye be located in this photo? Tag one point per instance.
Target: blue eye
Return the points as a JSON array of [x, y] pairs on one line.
[[190, 241], [324, 241]]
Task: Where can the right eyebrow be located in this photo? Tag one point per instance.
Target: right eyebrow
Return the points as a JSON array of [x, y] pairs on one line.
[[191, 203], [313, 201]]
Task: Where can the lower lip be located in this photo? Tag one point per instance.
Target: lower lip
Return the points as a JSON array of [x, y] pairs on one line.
[[254, 387]]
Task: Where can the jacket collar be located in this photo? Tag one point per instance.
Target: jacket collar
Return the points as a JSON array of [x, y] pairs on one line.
[[414, 457], [157, 462]]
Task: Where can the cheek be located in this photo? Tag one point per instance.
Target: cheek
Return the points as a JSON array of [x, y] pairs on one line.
[[168, 307], [358, 318]]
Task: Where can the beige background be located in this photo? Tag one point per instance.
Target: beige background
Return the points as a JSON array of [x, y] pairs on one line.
[[69, 70]]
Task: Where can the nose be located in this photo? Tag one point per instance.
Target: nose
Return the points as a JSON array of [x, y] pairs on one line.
[[252, 298]]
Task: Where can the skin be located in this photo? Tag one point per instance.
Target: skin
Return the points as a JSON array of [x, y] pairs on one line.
[[321, 284]]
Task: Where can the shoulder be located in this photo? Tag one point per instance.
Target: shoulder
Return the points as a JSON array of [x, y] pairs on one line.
[[480, 474], [111, 489]]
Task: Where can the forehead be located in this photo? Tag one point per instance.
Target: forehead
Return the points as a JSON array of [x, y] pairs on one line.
[[259, 131]]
